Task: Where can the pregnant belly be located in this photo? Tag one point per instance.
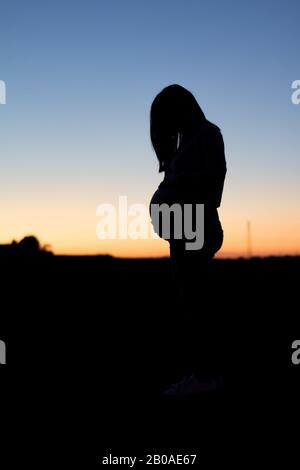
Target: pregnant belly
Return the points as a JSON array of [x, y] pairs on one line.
[[164, 196], [213, 238]]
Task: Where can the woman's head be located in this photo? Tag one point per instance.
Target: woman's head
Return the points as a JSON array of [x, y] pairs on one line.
[[174, 114]]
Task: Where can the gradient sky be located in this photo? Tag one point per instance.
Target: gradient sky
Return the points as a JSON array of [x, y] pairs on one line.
[[81, 76]]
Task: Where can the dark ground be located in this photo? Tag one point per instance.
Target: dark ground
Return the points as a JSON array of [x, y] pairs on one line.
[[93, 341]]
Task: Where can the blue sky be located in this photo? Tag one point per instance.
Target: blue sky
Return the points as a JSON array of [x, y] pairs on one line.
[[80, 79]]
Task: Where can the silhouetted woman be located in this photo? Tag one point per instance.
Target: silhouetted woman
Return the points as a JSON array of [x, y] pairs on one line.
[[190, 151]]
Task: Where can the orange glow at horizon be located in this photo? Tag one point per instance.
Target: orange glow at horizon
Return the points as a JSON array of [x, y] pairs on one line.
[[235, 245], [69, 227]]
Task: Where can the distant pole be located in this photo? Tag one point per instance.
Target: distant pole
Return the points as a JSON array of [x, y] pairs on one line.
[[249, 240]]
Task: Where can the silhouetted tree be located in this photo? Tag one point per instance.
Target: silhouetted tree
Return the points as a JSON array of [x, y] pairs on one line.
[[29, 245]]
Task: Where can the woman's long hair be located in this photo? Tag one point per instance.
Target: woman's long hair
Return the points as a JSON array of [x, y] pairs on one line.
[[174, 113]]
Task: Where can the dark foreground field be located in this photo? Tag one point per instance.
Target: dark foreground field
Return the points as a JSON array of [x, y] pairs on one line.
[[92, 342]]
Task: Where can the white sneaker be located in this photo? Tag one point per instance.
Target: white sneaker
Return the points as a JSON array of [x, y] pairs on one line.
[[191, 386]]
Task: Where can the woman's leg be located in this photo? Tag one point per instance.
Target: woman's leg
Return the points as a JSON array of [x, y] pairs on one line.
[[199, 329]]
